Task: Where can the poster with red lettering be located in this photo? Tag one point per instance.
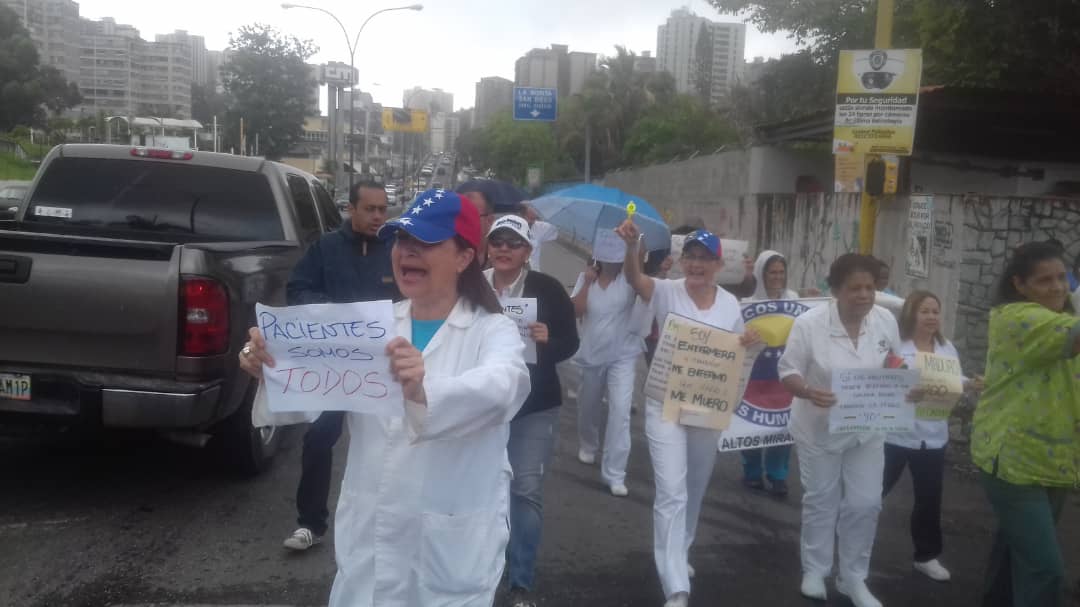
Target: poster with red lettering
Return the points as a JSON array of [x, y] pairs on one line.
[[330, 357]]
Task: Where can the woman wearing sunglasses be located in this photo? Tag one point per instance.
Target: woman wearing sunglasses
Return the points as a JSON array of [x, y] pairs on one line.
[[534, 430], [423, 513]]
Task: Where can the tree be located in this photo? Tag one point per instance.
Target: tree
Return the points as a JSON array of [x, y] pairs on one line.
[[508, 148], [703, 64], [1007, 44], [206, 103], [28, 89], [793, 85], [269, 82], [684, 126]]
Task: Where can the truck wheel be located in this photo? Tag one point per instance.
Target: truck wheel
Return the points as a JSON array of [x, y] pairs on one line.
[[245, 449]]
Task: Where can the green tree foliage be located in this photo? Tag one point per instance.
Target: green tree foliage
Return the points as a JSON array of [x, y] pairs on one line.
[[206, 103], [791, 86], [28, 89], [268, 83], [510, 147], [682, 127], [1006, 44]]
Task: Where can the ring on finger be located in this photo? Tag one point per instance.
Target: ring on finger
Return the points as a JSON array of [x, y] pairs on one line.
[[246, 350]]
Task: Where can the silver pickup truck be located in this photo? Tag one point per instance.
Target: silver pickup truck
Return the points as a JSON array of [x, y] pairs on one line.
[[128, 280]]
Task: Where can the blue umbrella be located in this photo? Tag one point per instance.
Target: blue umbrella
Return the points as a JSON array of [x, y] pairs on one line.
[[583, 209], [504, 197]]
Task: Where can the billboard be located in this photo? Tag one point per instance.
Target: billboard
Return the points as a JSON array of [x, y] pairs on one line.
[[877, 95], [404, 121]]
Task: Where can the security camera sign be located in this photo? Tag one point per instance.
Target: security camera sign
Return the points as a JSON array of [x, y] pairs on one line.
[[877, 94]]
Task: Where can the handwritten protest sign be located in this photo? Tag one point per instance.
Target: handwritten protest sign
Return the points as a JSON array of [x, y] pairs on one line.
[[608, 246], [942, 381], [522, 310], [704, 373], [330, 357], [734, 270], [872, 400]]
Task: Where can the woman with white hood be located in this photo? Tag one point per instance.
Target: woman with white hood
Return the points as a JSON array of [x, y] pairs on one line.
[[611, 343], [423, 513], [770, 275]]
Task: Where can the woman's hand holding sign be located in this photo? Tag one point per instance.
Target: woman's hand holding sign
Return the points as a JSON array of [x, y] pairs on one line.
[[407, 367], [254, 355], [750, 337], [539, 332]]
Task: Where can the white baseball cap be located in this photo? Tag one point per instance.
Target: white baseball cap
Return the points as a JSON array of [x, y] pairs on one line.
[[513, 223]]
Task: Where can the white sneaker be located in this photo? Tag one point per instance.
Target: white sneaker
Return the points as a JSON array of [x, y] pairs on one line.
[[813, 587], [690, 570], [858, 593], [679, 599], [933, 570], [620, 490], [585, 457], [302, 539]]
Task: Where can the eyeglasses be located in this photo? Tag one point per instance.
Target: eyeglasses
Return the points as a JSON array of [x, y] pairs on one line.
[[510, 243]]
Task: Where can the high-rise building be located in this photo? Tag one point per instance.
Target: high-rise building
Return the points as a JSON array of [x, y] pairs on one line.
[[196, 45], [54, 28], [555, 67], [431, 101], [117, 71], [214, 61], [645, 63], [494, 95], [125, 75], [704, 56]]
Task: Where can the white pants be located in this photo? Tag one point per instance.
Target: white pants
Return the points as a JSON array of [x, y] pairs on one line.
[[682, 459], [841, 497], [619, 379]]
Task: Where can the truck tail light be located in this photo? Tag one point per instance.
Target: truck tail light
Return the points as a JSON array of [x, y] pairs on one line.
[[204, 317], [161, 154]]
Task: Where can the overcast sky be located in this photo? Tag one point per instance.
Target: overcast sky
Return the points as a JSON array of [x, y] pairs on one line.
[[450, 44]]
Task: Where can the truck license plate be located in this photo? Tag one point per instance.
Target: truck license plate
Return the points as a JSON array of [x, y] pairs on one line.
[[14, 386]]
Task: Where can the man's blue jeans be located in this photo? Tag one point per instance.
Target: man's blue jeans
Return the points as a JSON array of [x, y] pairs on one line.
[[531, 446]]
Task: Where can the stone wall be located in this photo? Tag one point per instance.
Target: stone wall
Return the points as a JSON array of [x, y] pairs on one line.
[[973, 235]]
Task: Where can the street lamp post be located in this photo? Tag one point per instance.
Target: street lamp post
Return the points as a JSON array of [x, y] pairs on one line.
[[351, 45]]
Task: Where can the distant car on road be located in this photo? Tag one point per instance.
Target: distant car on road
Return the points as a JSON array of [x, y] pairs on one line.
[[12, 196]]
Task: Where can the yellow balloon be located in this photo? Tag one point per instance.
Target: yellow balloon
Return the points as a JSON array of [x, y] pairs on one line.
[[631, 209]]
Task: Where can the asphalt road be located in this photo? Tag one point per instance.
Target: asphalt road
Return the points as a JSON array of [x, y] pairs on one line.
[[131, 520]]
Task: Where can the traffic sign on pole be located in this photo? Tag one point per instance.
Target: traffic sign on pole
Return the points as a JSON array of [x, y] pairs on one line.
[[540, 105]]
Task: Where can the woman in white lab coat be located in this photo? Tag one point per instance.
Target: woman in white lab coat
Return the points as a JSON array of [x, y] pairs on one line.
[[682, 456], [612, 340], [423, 513], [841, 473]]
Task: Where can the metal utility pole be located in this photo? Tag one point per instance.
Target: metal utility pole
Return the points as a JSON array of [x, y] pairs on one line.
[[868, 204], [350, 43]]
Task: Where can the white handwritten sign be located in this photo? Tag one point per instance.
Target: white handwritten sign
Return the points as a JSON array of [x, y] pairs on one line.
[[942, 381], [697, 373], [522, 310], [872, 400], [330, 357], [608, 246], [734, 270]]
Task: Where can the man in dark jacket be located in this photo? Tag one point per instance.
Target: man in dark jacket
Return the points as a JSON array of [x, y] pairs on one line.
[[534, 428], [345, 266]]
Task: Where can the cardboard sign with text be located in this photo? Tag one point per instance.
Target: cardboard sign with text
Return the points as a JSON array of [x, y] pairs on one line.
[[872, 400], [704, 373], [330, 357], [943, 382], [522, 310]]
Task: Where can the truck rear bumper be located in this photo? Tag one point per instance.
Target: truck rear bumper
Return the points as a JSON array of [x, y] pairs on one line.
[[113, 400]]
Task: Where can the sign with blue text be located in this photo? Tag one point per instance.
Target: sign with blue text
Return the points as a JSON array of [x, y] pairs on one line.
[[330, 357], [536, 104]]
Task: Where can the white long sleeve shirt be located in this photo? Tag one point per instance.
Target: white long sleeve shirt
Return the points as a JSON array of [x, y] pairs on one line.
[[818, 344]]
